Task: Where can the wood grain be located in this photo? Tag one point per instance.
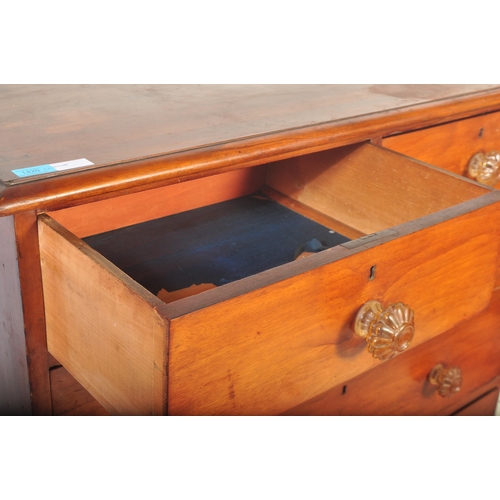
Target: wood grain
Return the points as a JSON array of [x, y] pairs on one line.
[[112, 123], [114, 213], [313, 214], [69, 398], [368, 187], [273, 348], [452, 145], [132, 174], [102, 326], [400, 386], [260, 340]]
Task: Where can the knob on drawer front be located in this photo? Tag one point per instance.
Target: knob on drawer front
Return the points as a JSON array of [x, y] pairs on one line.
[[387, 331], [447, 380], [485, 167]]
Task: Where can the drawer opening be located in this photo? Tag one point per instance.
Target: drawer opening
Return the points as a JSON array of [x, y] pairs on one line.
[[212, 231]]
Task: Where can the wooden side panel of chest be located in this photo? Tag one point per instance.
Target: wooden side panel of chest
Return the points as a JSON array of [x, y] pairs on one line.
[[14, 382]]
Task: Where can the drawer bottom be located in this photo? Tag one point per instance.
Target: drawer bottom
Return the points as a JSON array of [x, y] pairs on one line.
[[215, 245]]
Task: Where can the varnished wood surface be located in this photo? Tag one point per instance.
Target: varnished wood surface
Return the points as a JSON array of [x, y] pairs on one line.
[[484, 405], [122, 211], [450, 146], [400, 386], [83, 311], [69, 398], [114, 123], [280, 121], [376, 112], [407, 227], [260, 352], [33, 310]]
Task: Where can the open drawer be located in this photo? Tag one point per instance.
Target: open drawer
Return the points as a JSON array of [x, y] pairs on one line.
[[279, 330]]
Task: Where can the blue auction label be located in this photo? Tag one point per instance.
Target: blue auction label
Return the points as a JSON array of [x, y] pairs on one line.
[[29, 171]]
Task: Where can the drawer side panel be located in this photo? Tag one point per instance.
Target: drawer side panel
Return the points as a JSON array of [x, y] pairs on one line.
[[102, 328], [369, 188]]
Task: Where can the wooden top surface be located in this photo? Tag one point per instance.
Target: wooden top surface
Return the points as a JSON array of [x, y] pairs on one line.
[[109, 124], [117, 125]]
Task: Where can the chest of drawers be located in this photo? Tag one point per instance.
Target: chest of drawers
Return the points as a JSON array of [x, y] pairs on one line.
[[169, 278]]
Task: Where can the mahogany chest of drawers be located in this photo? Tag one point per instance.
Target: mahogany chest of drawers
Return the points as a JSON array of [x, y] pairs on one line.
[[244, 250]]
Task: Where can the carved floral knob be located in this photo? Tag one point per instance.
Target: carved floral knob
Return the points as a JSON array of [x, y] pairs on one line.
[[447, 380], [485, 167], [387, 331]]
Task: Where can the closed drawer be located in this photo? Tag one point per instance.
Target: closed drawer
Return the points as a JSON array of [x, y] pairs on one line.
[[272, 338], [401, 386], [452, 145], [485, 405]]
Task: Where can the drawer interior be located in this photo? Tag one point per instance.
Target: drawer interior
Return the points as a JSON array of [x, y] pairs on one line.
[[213, 245], [228, 227]]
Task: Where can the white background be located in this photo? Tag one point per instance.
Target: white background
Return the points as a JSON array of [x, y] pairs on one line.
[[99, 41]]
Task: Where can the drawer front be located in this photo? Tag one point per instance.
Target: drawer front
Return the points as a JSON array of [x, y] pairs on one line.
[[401, 386], [483, 406], [268, 350], [450, 146]]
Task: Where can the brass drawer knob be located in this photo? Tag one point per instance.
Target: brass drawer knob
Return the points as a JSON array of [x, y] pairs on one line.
[[447, 380], [485, 167], [387, 331]]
